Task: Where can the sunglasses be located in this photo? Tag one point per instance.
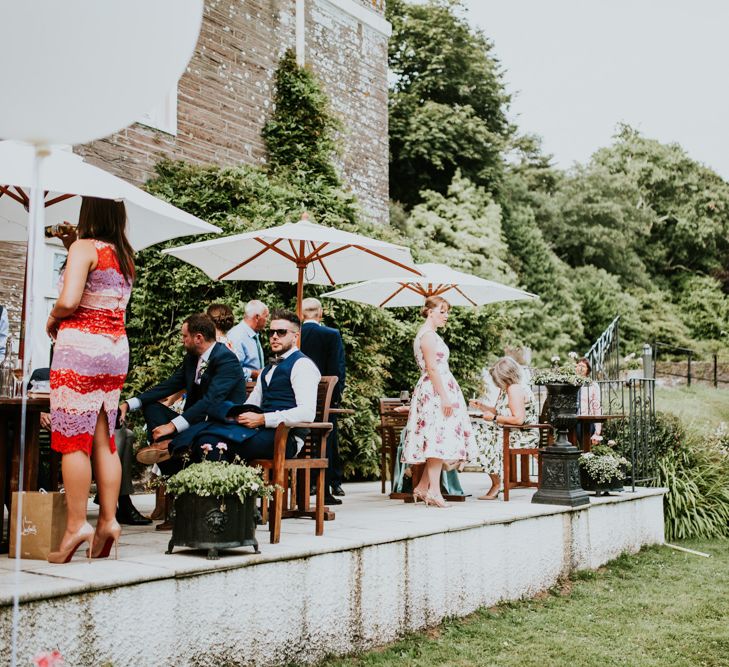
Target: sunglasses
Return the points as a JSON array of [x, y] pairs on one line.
[[279, 332]]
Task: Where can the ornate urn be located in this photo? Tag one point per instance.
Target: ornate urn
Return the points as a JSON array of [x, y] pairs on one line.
[[560, 483]]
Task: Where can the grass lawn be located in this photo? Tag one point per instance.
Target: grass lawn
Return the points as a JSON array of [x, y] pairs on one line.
[[660, 607], [700, 407]]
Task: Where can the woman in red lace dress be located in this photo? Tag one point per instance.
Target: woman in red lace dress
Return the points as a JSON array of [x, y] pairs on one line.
[[90, 361]]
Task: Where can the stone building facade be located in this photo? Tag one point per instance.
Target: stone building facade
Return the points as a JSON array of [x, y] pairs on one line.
[[217, 110], [225, 97]]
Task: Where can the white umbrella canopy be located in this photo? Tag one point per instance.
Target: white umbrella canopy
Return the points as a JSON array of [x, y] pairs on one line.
[[458, 288], [297, 252], [65, 178]]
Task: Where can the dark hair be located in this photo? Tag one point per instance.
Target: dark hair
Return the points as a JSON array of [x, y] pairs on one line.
[[221, 315], [106, 220], [200, 323], [584, 360], [282, 314]]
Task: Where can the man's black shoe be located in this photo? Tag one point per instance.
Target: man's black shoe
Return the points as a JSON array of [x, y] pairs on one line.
[[337, 489], [129, 515], [331, 500]]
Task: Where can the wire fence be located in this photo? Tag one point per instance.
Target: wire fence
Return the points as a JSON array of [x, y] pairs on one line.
[[689, 366]]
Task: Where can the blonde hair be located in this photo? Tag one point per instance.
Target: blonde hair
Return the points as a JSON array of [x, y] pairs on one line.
[[506, 372], [433, 302]]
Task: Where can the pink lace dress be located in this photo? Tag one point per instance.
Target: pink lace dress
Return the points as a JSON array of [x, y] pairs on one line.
[[429, 434], [90, 357]]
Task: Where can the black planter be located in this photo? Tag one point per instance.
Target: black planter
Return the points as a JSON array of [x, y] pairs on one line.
[[204, 522], [588, 484], [560, 470]]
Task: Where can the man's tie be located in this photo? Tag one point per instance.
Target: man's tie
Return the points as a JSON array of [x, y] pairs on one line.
[[259, 349]]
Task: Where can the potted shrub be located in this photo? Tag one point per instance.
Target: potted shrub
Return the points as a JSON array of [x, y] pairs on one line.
[[603, 470], [215, 505]]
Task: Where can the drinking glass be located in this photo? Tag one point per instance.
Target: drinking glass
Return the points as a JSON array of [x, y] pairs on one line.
[[405, 396], [18, 381]]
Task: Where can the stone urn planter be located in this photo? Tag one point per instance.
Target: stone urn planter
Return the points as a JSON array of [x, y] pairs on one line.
[[560, 473], [206, 522]]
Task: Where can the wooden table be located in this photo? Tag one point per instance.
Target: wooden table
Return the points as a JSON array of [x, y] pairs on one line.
[[586, 420], [10, 414]]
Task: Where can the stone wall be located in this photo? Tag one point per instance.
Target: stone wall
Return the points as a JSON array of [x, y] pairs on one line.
[[11, 283], [224, 98]]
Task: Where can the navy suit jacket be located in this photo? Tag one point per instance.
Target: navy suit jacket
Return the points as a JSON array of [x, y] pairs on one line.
[[222, 380], [324, 346]]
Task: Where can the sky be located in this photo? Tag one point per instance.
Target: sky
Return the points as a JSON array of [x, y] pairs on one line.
[[577, 68]]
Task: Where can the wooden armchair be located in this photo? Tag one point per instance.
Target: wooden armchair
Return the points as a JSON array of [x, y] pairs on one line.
[[391, 425], [311, 458], [512, 480]]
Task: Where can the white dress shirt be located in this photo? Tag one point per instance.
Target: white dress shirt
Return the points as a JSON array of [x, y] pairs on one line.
[[305, 378], [180, 422]]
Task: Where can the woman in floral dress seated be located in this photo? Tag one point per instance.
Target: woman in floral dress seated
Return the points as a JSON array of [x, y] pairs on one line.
[[515, 406], [438, 428]]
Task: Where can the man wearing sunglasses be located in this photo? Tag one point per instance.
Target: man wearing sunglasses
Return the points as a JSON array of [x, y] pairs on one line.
[[285, 392]]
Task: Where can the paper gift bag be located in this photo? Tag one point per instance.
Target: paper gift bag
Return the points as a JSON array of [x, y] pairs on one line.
[[43, 522]]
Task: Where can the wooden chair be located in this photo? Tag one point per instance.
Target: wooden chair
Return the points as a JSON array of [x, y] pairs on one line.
[[512, 480], [311, 458], [391, 425]]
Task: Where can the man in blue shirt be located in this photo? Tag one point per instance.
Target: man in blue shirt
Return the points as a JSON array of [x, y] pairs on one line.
[[245, 337]]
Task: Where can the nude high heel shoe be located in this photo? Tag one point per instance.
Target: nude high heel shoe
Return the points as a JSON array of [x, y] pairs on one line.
[[102, 543], [83, 534], [436, 501]]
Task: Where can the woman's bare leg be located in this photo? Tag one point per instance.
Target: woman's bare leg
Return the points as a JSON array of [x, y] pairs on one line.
[[430, 479], [107, 469], [76, 470]]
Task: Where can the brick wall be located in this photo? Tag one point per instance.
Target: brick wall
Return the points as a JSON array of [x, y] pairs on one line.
[[224, 98]]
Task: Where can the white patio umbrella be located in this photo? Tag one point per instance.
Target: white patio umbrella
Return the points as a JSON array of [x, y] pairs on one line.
[[65, 178], [460, 289], [297, 252]]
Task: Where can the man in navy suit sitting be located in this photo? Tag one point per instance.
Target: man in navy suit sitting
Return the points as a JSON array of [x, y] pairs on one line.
[[285, 392], [324, 346], [209, 374]]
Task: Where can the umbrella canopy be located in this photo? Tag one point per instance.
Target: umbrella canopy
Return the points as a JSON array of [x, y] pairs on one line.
[[297, 252], [65, 177], [460, 289]]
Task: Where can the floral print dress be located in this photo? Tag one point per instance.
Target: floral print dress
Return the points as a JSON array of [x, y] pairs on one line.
[[429, 434], [489, 436]]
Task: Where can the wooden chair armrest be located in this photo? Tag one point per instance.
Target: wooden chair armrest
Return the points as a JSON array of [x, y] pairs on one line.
[[510, 426], [312, 425]]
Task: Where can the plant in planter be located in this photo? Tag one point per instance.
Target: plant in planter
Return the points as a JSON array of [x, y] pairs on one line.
[[215, 505], [602, 470], [560, 473]]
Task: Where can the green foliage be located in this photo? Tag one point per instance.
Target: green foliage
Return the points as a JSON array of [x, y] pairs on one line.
[[705, 308], [689, 200], [219, 479], [697, 478], [299, 135], [447, 101]]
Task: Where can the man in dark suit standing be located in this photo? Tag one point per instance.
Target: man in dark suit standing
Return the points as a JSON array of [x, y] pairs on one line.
[[209, 373], [324, 346]]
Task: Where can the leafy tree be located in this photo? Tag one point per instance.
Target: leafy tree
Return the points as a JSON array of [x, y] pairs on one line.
[[704, 307], [447, 101], [690, 202], [602, 221]]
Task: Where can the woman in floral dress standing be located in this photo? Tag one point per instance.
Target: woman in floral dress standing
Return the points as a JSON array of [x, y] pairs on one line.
[[90, 362], [438, 429]]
